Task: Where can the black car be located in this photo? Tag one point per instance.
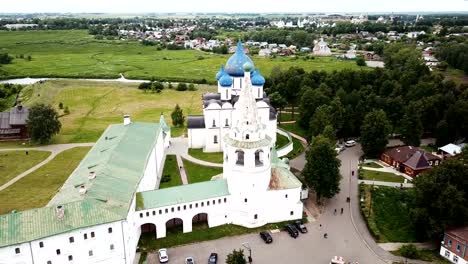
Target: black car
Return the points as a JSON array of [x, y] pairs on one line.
[[299, 225], [266, 237], [213, 258], [292, 231]]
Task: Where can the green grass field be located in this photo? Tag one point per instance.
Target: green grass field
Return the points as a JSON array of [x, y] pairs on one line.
[[381, 176], [294, 128], [281, 141], [171, 169], [372, 165], [95, 105], [199, 173], [216, 157], [389, 219], [36, 189], [13, 163], [74, 53]]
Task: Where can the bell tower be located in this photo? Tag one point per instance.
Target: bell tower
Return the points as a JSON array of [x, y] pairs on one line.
[[247, 147]]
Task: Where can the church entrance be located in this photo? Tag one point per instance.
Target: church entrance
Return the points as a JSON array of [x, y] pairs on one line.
[[174, 225], [200, 221]]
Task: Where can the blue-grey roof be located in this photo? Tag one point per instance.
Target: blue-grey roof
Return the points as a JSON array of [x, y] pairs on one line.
[[220, 72], [257, 78], [225, 81], [235, 64]]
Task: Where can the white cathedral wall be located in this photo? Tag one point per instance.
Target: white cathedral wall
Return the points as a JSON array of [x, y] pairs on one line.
[[213, 140], [196, 138], [153, 168]]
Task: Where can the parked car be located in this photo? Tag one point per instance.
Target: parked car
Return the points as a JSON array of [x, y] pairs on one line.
[[299, 225], [213, 258], [350, 143], [266, 237], [162, 254], [337, 260], [339, 148], [189, 260], [292, 230]]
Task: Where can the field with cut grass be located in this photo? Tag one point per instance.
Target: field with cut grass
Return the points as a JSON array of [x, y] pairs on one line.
[[74, 53], [95, 105], [371, 175], [13, 163], [36, 189], [200, 173], [170, 173], [215, 157]]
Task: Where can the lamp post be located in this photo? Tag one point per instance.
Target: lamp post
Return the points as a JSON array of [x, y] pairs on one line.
[[247, 246]]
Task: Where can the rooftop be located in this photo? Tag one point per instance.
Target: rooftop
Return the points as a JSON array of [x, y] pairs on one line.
[[109, 174], [181, 194]]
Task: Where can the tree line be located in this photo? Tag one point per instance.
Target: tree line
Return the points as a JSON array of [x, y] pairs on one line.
[[412, 100]]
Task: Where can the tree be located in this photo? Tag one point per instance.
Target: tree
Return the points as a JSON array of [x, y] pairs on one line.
[[191, 87], [443, 134], [329, 132], [360, 61], [310, 101], [277, 101], [411, 127], [157, 86], [321, 171], [43, 123], [321, 118], [177, 116], [236, 257], [445, 187], [181, 87], [374, 132], [5, 58]]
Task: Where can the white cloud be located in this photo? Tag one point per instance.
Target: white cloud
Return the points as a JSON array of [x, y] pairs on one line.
[[135, 6]]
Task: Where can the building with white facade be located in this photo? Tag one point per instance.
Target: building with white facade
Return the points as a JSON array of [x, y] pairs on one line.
[[113, 196], [321, 48], [206, 131]]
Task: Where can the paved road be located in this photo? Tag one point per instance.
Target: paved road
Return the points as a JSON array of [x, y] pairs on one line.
[[55, 149]]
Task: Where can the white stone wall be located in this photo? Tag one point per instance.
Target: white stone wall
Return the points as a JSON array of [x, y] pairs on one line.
[[59, 248], [196, 138], [447, 254]]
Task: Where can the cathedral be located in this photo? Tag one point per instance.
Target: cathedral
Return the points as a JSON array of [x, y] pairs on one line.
[[113, 196]]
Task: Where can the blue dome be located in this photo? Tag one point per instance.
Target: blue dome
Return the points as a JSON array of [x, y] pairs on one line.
[[257, 79], [220, 73], [225, 80], [235, 64]]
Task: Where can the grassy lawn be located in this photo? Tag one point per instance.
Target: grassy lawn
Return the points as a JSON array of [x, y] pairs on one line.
[[381, 176], [428, 255], [216, 157], [36, 189], [294, 128], [95, 105], [170, 172], [13, 163], [200, 232], [287, 116], [74, 53], [199, 173], [388, 215], [372, 165], [281, 141]]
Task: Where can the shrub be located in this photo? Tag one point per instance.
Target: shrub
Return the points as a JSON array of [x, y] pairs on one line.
[[181, 87], [191, 87], [67, 110], [60, 105], [409, 251]]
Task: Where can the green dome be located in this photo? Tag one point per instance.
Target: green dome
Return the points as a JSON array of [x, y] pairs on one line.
[[247, 67]]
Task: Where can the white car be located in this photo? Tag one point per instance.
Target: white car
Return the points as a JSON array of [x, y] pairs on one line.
[[339, 148], [337, 260], [163, 257], [350, 143], [189, 260]]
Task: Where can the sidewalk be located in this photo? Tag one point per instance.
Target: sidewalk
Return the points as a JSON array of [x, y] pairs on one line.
[[182, 173], [396, 246], [388, 184]]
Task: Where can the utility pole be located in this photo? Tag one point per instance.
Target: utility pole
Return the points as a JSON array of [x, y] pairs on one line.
[[247, 246]]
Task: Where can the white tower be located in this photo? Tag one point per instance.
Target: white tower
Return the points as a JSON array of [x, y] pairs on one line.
[[247, 147]]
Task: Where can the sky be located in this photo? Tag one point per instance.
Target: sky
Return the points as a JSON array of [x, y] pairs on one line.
[[231, 6]]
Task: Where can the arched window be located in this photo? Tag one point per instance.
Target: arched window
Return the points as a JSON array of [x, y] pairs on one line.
[[258, 92], [215, 139], [240, 157], [214, 123], [227, 94], [259, 157], [247, 136], [227, 122]]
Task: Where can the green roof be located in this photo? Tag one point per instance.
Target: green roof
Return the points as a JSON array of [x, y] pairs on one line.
[[181, 194], [118, 160], [42, 222]]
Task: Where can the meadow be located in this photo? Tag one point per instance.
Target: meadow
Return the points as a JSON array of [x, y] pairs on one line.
[[95, 105], [75, 54]]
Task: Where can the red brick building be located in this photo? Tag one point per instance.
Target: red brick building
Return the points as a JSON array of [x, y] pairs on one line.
[[410, 160], [454, 246]]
